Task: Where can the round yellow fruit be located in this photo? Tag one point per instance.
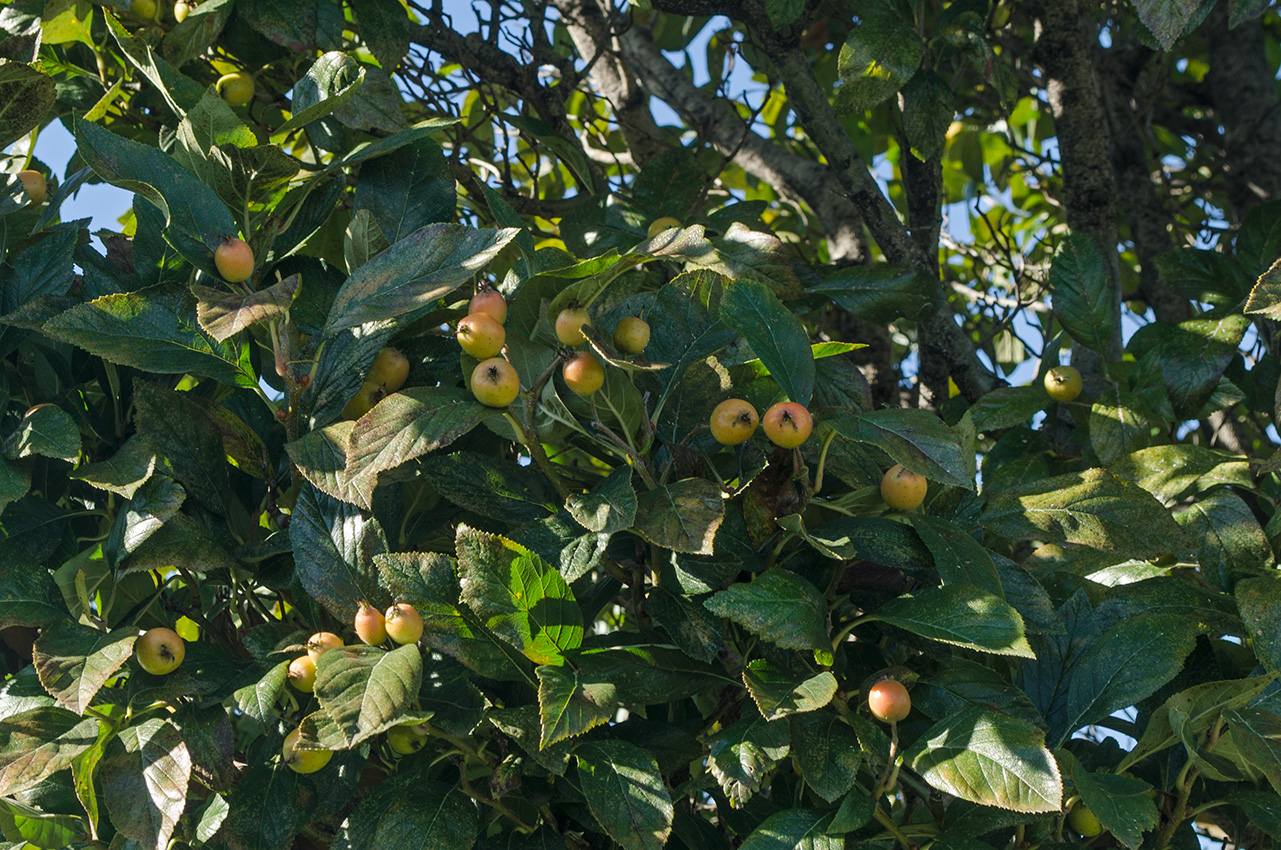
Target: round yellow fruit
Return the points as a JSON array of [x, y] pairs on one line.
[[144, 9], [569, 326], [494, 382], [234, 260], [302, 674], [631, 335], [658, 225], [181, 10], [237, 88], [903, 489], [489, 301], [1084, 822], [404, 741], [787, 424], [302, 761], [35, 185], [733, 422], [404, 623], [889, 701], [370, 625], [363, 401], [1063, 383], [480, 335], [390, 370], [320, 643], [583, 373], [160, 651]]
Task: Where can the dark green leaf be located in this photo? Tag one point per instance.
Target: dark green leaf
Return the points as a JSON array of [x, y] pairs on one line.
[[492, 488], [1083, 291], [878, 292], [144, 778], [742, 754], [1229, 539], [779, 607], [962, 615], [409, 188], [827, 753], [333, 544], [47, 430], [39, 742], [778, 694], [1169, 472], [74, 661], [626, 793], [26, 96], [1257, 734], [775, 335], [1124, 805], [879, 56], [365, 689], [917, 439], [958, 557], [569, 704], [609, 507], [793, 829], [683, 516], [990, 759], [1166, 18], [408, 810], [1007, 407], [1259, 600], [222, 315], [385, 28]]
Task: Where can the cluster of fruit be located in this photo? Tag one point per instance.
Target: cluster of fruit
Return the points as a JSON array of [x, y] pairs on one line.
[[786, 423], [481, 334]]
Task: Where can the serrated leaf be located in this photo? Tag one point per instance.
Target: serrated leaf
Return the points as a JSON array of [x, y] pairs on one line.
[[1257, 734], [778, 694], [683, 516], [794, 829], [626, 794], [917, 439], [879, 56], [1082, 291], [520, 597], [990, 759], [125, 471], [45, 430], [1166, 18], [1123, 804], [878, 292], [827, 753], [962, 615], [742, 754], [410, 810], [222, 315], [74, 661], [407, 189], [1200, 707], [1259, 600], [259, 699], [144, 777], [777, 606], [958, 557], [569, 704], [39, 742], [412, 273], [27, 96], [609, 507], [366, 690], [775, 334]]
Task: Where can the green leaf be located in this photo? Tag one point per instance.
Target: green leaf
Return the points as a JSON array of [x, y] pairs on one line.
[[1166, 18], [646, 674], [683, 516], [1257, 734], [28, 595], [155, 503], [413, 273], [963, 683], [404, 426], [879, 56], [333, 544], [26, 96], [1125, 665], [779, 607], [407, 189], [330, 82], [570, 704], [1229, 539], [522, 725], [783, 12], [196, 222], [144, 778], [742, 754], [197, 33], [990, 759], [47, 430], [1259, 600], [961, 615], [1124, 805], [222, 315], [1083, 291], [1199, 707], [1169, 472], [928, 107], [626, 794], [608, 508], [826, 751], [140, 330], [409, 810], [794, 829], [776, 336], [520, 597], [385, 28], [741, 254], [365, 689], [74, 661], [259, 699], [1189, 358], [490, 487], [45, 268], [692, 627], [1007, 407], [1120, 425], [917, 439], [958, 557], [189, 442], [39, 742], [778, 694], [879, 292], [1092, 508]]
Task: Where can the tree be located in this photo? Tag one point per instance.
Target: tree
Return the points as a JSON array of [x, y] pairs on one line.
[[635, 634]]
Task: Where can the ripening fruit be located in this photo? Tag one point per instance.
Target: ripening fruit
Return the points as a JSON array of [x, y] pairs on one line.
[[733, 422], [490, 301], [1084, 822], [302, 761], [1063, 383], [302, 674], [658, 225], [583, 373], [404, 741], [569, 326], [144, 9], [234, 260], [404, 623], [889, 701], [320, 643], [389, 370], [494, 382], [160, 651], [480, 335], [363, 401], [371, 627], [181, 10], [631, 335], [903, 489], [787, 424], [35, 185], [237, 88]]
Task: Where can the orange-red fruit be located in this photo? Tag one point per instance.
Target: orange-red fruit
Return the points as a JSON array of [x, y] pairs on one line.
[[569, 326], [787, 424], [234, 260], [903, 489], [481, 335], [491, 302], [35, 185], [583, 373], [494, 382], [302, 673], [371, 626], [889, 701], [733, 422], [404, 623], [320, 643]]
